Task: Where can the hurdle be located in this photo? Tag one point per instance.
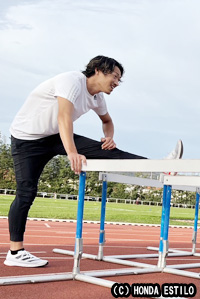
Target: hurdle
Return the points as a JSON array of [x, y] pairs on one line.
[[163, 249], [142, 182], [112, 177], [187, 166], [195, 227], [181, 183], [117, 178], [191, 181]]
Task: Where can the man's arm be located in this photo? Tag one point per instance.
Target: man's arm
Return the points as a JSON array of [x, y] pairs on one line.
[[108, 129], [65, 124]]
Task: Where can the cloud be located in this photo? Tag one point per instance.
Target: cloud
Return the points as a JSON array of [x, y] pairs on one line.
[[10, 24], [7, 22]]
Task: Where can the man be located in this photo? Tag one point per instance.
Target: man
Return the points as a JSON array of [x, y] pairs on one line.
[[43, 128]]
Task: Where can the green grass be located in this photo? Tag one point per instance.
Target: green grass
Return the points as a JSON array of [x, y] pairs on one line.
[[67, 209]]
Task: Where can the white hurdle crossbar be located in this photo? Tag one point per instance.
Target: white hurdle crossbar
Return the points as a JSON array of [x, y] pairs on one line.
[[187, 166], [143, 165]]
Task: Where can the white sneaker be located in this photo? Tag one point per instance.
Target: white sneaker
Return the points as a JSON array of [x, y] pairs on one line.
[[24, 259], [177, 153]]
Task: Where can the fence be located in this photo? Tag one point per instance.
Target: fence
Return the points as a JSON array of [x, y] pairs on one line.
[[98, 199]]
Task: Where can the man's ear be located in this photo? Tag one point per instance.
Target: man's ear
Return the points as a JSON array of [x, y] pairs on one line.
[[96, 71]]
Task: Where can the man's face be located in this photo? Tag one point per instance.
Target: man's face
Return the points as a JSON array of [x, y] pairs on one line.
[[110, 81]]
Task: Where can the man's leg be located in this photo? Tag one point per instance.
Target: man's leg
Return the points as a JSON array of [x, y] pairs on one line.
[[29, 158], [29, 162], [92, 150]]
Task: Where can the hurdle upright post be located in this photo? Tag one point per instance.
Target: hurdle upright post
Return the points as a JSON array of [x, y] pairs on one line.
[[163, 247], [162, 225], [79, 226], [103, 214], [194, 237], [166, 226]]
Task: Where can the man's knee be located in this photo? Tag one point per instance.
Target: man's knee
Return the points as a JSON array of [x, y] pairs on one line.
[[26, 191]]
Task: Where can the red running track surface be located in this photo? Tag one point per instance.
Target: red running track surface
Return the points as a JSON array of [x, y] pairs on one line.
[[43, 236]]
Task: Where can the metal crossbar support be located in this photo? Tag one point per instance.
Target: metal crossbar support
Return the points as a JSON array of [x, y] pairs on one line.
[[183, 183], [88, 275]]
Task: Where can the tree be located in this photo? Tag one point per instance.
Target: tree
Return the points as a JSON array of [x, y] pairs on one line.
[[7, 176], [93, 184], [57, 176], [119, 191]]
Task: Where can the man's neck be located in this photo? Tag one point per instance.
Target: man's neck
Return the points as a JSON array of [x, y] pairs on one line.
[[92, 86]]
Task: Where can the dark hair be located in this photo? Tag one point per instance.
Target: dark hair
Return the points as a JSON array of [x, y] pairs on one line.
[[102, 63]]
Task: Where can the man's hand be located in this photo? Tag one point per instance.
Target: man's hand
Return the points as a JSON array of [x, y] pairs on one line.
[[108, 143], [76, 161]]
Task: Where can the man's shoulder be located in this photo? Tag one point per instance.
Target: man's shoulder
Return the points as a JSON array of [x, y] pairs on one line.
[[99, 96], [73, 75]]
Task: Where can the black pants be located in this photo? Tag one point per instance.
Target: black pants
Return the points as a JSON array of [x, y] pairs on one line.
[[30, 157]]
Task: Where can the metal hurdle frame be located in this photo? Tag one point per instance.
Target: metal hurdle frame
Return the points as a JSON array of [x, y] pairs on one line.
[[164, 226], [176, 269], [117, 178], [188, 166], [195, 228], [111, 177]]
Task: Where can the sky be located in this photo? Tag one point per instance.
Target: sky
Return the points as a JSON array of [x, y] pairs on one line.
[[157, 42]]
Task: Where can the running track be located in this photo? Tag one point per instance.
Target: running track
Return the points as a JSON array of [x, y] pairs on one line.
[[43, 236]]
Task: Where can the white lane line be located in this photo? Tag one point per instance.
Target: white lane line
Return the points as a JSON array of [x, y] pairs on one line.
[[47, 225]]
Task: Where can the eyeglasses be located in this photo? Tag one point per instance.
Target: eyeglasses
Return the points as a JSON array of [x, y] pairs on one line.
[[117, 77]]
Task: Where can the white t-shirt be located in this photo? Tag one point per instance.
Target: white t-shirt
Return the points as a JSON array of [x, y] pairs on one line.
[[37, 118]]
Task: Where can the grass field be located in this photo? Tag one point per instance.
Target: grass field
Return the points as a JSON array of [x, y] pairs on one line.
[[67, 209]]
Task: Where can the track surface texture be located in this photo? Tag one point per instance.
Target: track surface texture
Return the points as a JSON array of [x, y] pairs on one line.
[[43, 236]]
